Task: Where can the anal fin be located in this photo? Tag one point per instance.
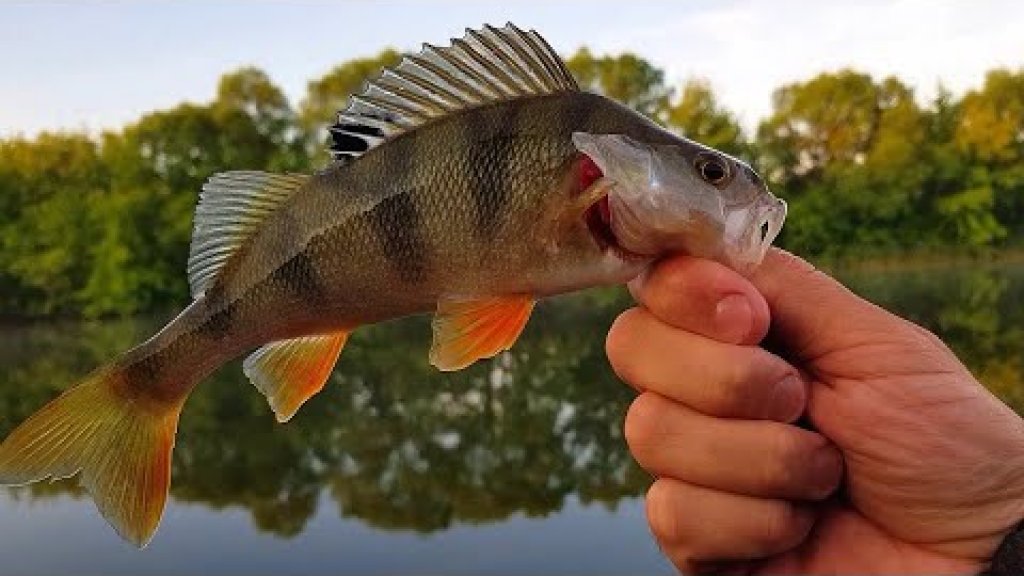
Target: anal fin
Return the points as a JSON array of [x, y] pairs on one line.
[[289, 372], [466, 330]]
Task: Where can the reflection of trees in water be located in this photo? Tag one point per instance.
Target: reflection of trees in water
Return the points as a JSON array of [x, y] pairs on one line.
[[394, 442], [401, 446]]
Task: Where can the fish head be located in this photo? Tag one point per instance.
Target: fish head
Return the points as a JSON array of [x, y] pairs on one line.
[[682, 196]]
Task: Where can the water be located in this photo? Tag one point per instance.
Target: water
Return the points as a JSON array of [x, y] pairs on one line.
[[515, 466]]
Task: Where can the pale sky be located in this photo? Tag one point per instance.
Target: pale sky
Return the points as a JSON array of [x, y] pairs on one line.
[[91, 65]]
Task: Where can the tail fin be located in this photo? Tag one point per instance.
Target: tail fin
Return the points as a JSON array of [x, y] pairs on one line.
[[121, 446]]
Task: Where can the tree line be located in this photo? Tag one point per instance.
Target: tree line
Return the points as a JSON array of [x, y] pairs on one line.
[[101, 225]]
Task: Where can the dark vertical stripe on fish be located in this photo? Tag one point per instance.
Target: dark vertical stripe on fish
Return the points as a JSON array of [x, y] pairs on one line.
[[219, 323], [300, 276], [576, 114], [145, 370], [490, 170], [400, 230]]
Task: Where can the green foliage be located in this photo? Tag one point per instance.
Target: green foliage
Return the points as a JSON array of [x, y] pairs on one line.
[[627, 78], [867, 170], [698, 116], [47, 187], [96, 226], [101, 226]]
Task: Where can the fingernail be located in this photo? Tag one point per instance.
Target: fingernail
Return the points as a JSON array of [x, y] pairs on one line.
[[827, 467], [788, 399], [734, 318]]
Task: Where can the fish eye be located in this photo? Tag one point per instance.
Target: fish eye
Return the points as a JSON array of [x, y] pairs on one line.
[[713, 170]]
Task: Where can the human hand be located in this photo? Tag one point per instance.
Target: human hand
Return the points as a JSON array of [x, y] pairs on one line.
[[910, 466]]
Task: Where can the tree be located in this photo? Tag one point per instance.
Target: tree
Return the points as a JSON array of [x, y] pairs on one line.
[[990, 133], [255, 116], [157, 167], [46, 189], [992, 121], [828, 119], [102, 226], [867, 169], [627, 78], [698, 115]]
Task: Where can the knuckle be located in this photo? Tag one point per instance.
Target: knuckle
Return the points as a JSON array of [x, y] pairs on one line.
[[671, 277], [621, 342], [754, 387], [642, 426], [736, 391], [790, 454], [730, 392], [670, 291], [797, 468], [790, 447], [663, 514], [783, 527], [794, 265], [928, 345]]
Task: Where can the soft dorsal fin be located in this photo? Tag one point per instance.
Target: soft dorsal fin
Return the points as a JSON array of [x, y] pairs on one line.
[[484, 66], [231, 206]]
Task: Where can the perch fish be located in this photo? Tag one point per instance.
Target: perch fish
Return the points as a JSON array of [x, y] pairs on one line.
[[468, 181]]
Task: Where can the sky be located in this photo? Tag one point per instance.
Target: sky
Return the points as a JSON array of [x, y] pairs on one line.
[[92, 65]]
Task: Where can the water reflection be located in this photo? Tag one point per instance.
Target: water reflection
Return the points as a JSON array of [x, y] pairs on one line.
[[397, 445]]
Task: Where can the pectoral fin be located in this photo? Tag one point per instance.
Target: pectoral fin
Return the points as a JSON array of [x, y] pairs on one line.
[[289, 372], [592, 194], [466, 330]]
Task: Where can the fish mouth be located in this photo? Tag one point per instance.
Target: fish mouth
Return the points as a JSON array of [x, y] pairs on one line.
[[598, 218]]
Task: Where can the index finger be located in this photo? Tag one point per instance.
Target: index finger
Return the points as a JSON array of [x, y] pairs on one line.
[[703, 297]]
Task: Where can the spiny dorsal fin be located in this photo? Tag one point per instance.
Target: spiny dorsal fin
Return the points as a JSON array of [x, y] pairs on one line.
[[484, 66], [289, 372], [231, 206]]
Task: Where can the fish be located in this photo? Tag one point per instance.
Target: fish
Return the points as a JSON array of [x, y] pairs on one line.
[[467, 181]]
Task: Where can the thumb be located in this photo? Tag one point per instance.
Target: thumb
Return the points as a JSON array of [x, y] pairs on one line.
[[814, 315]]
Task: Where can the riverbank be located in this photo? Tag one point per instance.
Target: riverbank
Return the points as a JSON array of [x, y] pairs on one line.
[[920, 259]]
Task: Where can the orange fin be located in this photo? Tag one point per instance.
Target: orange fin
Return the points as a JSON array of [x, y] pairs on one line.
[[289, 372], [466, 330], [121, 448]]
